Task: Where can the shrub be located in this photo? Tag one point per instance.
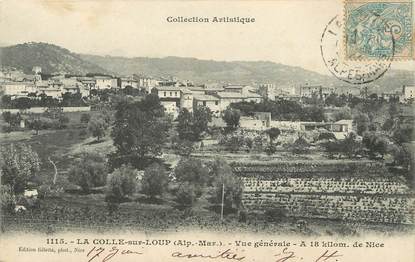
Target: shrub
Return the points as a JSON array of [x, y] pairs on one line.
[[85, 117], [300, 146], [121, 183], [225, 181], [192, 171], [88, 172], [7, 198], [155, 180], [270, 149], [19, 163], [186, 195]]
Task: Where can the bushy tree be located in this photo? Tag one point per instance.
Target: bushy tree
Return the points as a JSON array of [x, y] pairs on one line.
[[18, 163], [85, 117], [186, 195], [191, 125], [121, 183], [89, 171], [342, 114], [185, 125], [349, 146], [155, 180], [224, 181], [273, 133], [362, 122], [192, 171], [63, 121], [7, 199], [231, 117], [139, 132], [300, 146], [11, 119], [376, 144], [270, 149], [97, 126], [401, 156], [7, 117]]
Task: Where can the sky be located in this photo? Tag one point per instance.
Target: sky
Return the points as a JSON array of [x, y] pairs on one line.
[[286, 32]]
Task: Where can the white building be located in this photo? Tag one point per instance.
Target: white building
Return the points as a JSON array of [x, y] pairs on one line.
[[209, 101], [146, 83], [127, 81], [18, 89], [105, 82]]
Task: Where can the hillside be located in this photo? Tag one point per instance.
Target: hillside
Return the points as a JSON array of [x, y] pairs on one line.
[[204, 70], [51, 58], [237, 71]]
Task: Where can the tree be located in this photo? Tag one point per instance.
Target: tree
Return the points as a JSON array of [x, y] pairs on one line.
[[36, 125], [192, 125], [155, 180], [185, 125], [193, 172], [7, 199], [270, 149], [231, 117], [362, 122], [121, 183], [349, 146], [375, 144], [342, 114], [63, 121], [186, 195], [6, 101], [401, 156], [224, 181], [88, 172], [300, 146], [8, 118], [11, 119], [139, 132], [97, 127], [273, 134], [85, 117], [202, 116], [22, 103], [19, 163]]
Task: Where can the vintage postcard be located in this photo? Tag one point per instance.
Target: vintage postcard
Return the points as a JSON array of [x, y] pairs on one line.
[[252, 131]]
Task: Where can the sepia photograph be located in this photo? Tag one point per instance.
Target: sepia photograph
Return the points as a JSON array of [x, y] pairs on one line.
[[204, 130]]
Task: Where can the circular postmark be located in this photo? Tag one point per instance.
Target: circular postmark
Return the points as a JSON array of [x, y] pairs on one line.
[[352, 72]]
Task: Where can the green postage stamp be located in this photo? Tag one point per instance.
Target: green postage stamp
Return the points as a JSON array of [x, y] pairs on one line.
[[382, 29]]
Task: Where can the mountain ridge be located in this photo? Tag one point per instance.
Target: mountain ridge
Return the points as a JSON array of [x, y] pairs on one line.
[[53, 58]]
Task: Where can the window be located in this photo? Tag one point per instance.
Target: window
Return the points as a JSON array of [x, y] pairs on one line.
[[204, 103], [164, 93], [171, 93], [216, 102], [175, 93]]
